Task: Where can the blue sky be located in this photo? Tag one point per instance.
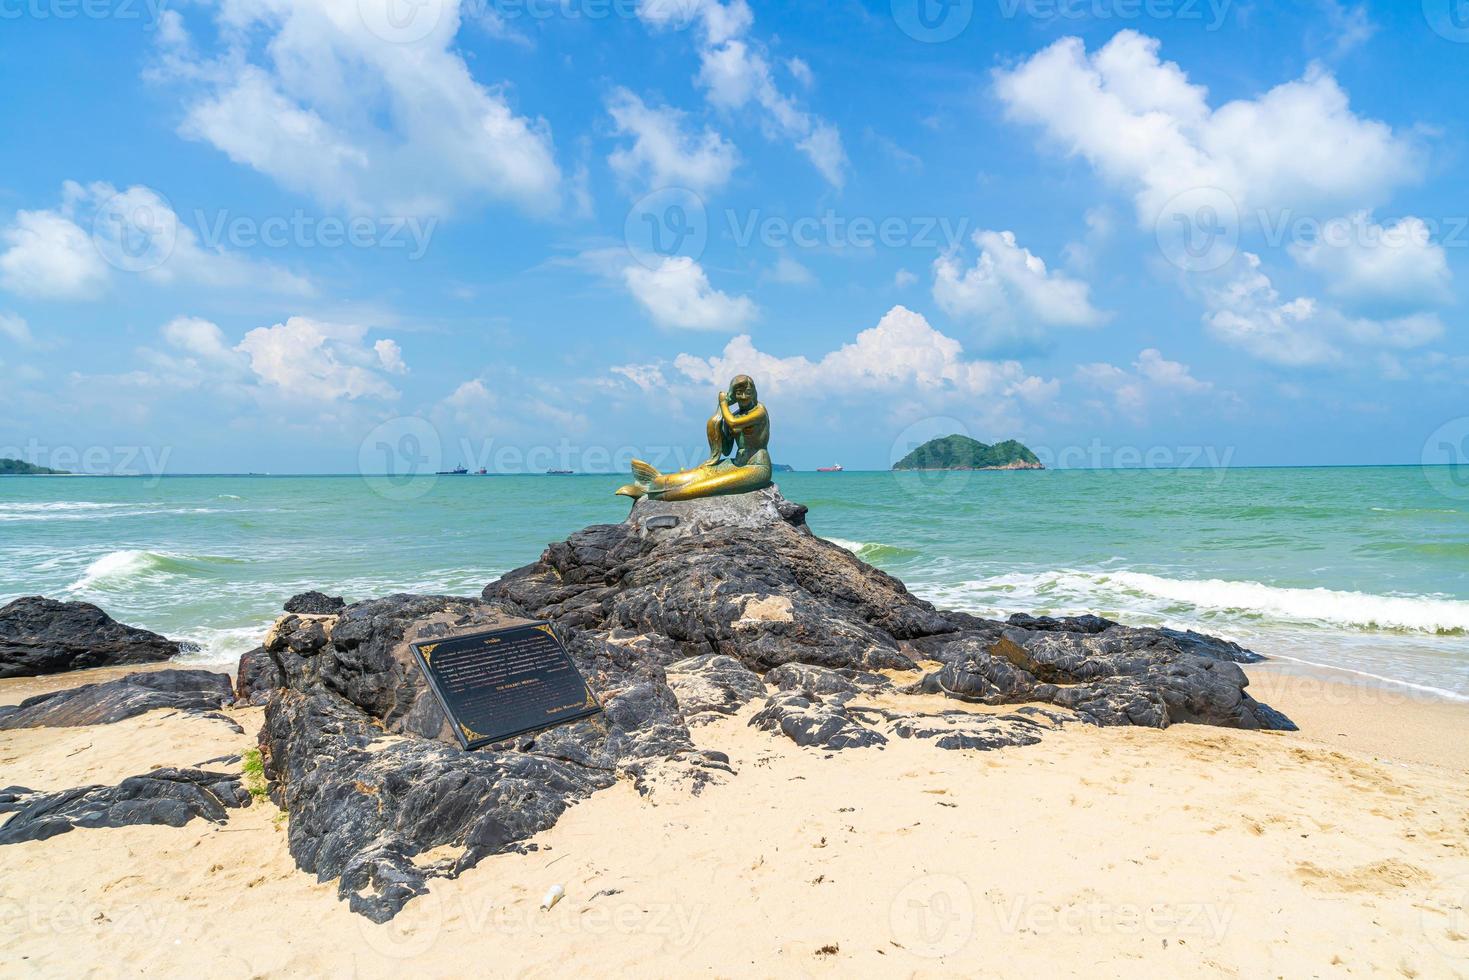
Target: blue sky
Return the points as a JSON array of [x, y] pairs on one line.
[[294, 237]]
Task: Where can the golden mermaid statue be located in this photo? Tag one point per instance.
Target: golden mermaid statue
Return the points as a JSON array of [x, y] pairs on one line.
[[740, 426]]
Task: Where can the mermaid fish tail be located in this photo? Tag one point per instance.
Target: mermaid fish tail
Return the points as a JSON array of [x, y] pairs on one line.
[[708, 480], [645, 478]]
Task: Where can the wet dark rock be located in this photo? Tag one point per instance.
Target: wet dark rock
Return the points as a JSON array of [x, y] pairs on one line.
[[256, 676], [315, 602], [112, 701], [711, 685], [171, 797], [47, 636], [1063, 624]]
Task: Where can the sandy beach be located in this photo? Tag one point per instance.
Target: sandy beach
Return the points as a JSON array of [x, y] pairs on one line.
[[1342, 849]]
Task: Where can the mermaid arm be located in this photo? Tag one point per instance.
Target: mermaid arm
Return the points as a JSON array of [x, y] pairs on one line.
[[738, 422]]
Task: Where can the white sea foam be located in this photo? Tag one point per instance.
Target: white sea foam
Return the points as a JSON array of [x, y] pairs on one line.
[[79, 510], [117, 568], [221, 645], [1248, 601]]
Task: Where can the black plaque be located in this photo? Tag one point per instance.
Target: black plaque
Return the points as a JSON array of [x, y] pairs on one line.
[[503, 683]]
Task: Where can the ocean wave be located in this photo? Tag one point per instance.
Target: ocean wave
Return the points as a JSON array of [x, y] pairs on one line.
[[221, 645], [874, 551], [75, 510], [118, 570], [1155, 595]]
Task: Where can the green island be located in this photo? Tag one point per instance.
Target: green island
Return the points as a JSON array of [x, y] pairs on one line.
[[958, 452], [19, 467]]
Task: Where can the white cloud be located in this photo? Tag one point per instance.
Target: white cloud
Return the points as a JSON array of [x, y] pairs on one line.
[[1010, 290], [662, 153], [1362, 262], [902, 356], [317, 361], [789, 272], [338, 100], [736, 73], [47, 256], [16, 330], [390, 356], [1246, 311], [677, 294], [1143, 125], [99, 233], [1152, 378], [903, 279]]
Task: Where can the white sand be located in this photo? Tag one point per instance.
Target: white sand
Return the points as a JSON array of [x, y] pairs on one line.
[[1097, 853]]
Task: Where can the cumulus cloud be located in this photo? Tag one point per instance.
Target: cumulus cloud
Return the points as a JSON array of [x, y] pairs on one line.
[[47, 256], [1009, 290], [357, 106], [663, 153], [902, 356], [735, 72], [1397, 266], [1144, 126], [99, 233], [677, 293], [1153, 378], [1247, 312], [317, 361]]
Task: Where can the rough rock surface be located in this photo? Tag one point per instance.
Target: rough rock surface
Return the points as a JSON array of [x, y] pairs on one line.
[[315, 602], [163, 796], [684, 612], [712, 685], [103, 704], [48, 636], [364, 805]]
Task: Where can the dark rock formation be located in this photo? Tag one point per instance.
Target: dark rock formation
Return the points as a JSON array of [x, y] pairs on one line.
[[315, 602], [684, 612], [712, 685], [103, 704], [1117, 675], [808, 719], [47, 636], [163, 796], [363, 805]]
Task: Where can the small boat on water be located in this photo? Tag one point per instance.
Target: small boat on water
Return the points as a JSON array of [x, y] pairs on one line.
[[833, 468], [560, 472], [456, 471]]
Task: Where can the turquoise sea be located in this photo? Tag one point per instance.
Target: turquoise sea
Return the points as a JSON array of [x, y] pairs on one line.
[[1364, 568]]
